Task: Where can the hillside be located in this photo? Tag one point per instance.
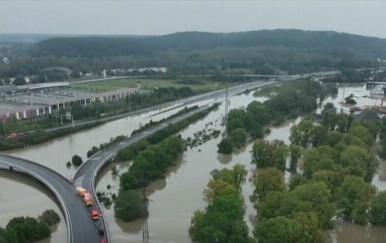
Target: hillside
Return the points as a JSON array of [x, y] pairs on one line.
[[321, 41]]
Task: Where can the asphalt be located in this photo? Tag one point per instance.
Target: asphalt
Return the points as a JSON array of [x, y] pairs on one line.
[[81, 228]]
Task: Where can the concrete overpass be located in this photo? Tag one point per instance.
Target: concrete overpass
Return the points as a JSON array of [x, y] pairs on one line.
[[81, 227]]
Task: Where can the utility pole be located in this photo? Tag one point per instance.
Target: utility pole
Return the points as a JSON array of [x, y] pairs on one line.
[[145, 204], [226, 103], [226, 109]]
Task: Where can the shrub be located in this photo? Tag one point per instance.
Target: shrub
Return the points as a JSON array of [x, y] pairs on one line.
[[129, 205], [50, 217], [76, 160], [28, 229]]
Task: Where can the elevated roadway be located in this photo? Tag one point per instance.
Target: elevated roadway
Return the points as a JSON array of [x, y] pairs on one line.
[[81, 228], [86, 174]]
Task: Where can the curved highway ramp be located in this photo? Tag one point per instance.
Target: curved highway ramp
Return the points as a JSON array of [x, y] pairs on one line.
[[81, 227]]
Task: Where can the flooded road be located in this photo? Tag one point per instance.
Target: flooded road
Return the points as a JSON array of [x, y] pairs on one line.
[[174, 199]]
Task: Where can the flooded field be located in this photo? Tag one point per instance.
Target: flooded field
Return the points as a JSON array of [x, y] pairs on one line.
[[174, 199]]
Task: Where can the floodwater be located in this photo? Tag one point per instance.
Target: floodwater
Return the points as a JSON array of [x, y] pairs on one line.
[[24, 196], [174, 199]]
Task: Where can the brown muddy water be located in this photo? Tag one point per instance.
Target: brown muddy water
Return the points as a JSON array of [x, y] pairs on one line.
[[174, 199]]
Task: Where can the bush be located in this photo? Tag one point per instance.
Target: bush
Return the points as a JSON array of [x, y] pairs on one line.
[[129, 205], [225, 146], [76, 160], [92, 151], [7, 236], [50, 217], [28, 229]]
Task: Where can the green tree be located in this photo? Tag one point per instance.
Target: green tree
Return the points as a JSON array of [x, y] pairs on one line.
[[332, 138], [239, 118], [285, 204], [269, 154], [321, 158], [378, 209], [318, 134], [296, 180], [28, 229], [361, 136], [197, 222], [295, 155], [223, 219], [353, 199], [50, 217], [268, 180], [218, 188], [301, 134], [358, 162], [279, 230], [319, 196], [235, 176], [7, 236], [76, 160], [311, 231], [342, 122], [260, 112], [92, 151], [329, 108], [329, 120], [130, 205], [225, 146], [238, 137], [333, 179], [223, 222]]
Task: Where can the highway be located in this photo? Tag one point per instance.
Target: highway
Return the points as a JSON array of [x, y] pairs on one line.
[[81, 228], [86, 174], [177, 103]]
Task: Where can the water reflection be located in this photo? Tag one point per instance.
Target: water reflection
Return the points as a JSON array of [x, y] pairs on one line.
[[346, 232], [224, 158], [24, 196], [175, 198]]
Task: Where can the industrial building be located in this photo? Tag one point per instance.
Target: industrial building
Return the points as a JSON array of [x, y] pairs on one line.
[[28, 101]]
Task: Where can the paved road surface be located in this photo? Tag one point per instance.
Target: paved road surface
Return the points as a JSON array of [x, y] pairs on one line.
[[81, 228]]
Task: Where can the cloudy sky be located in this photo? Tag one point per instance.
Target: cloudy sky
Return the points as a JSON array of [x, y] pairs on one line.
[[162, 17]]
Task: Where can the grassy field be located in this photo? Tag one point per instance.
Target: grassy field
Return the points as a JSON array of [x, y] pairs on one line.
[[108, 85]]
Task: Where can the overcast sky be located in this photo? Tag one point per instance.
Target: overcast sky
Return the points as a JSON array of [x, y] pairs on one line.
[[164, 17]]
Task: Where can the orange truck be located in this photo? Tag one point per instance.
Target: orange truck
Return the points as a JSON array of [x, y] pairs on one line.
[[80, 191], [87, 198]]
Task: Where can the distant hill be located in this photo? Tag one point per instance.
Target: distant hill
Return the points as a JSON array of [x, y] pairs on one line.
[[25, 38], [320, 41], [35, 38]]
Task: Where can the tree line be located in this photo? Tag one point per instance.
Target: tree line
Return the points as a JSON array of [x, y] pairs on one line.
[[223, 218], [338, 161], [286, 101], [338, 165], [151, 157], [255, 52]]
